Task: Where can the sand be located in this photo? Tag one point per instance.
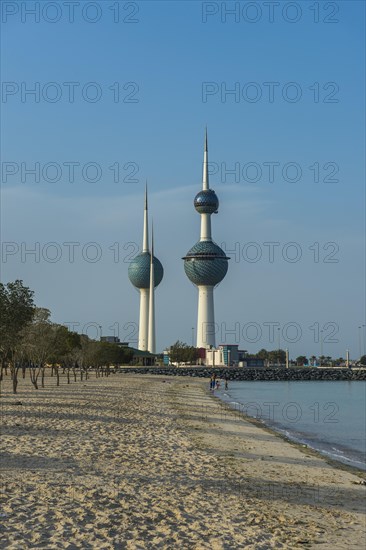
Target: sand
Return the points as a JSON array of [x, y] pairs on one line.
[[141, 462]]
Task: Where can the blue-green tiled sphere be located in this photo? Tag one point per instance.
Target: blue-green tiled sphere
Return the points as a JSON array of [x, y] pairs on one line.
[[206, 263], [139, 271], [206, 202]]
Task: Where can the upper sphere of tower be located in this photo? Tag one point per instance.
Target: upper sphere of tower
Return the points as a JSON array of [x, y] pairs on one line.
[[206, 202], [206, 263], [139, 271]]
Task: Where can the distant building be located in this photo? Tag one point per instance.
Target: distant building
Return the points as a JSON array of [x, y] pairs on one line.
[[110, 339], [143, 358], [214, 357], [230, 354]]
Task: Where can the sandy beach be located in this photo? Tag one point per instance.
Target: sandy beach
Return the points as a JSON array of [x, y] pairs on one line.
[[150, 462]]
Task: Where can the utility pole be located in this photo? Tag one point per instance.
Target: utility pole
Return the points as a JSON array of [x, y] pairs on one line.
[[359, 342], [321, 348]]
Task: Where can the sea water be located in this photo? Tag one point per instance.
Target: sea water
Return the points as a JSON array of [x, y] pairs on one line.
[[329, 416]]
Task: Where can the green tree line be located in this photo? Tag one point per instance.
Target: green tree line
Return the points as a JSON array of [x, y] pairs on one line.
[[30, 342]]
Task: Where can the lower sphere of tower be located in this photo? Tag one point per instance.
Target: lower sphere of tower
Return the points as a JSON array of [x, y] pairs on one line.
[[206, 264], [139, 271]]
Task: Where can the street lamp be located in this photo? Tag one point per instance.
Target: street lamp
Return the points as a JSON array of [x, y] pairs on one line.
[[321, 348], [192, 337], [359, 342], [100, 329], [279, 344]]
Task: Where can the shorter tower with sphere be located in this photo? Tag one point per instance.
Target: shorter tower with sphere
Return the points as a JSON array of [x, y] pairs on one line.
[[206, 264], [139, 273]]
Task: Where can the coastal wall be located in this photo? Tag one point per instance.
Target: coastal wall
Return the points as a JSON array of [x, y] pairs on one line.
[[274, 374]]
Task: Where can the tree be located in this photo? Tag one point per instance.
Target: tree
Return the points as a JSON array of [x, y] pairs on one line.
[[276, 356], [17, 310], [65, 351], [177, 352], [363, 360], [192, 354], [262, 354], [301, 360], [39, 342], [180, 352], [108, 354], [45, 343]]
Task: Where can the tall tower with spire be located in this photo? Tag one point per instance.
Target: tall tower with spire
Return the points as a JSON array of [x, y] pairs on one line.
[[206, 264], [145, 273]]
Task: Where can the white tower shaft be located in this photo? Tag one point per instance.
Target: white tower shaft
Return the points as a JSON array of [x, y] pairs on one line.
[[151, 336], [205, 227], [144, 319], [206, 317], [144, 292]]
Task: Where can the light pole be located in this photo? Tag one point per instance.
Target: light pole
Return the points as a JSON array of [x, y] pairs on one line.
[[279, 344], [100, 329], [321, 348], [359, 342], [364, 339], [192, 337]]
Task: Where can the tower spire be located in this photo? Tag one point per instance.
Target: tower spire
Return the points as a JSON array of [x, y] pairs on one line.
[[145, 238], [205, 182], [151, 334]]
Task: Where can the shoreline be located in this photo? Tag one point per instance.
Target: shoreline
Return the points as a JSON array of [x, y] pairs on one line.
[[137, 462], [269, 374], [305, 448]]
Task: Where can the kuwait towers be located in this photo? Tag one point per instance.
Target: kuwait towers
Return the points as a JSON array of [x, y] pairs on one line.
[[145, 273], [206, 263]]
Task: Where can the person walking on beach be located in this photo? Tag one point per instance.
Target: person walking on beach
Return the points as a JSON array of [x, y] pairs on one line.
[[212, 383], [226, 382]]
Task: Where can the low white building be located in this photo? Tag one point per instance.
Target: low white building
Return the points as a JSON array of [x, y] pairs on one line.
[[214, 358]]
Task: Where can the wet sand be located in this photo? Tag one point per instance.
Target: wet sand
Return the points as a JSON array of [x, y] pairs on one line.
[[137, 462]]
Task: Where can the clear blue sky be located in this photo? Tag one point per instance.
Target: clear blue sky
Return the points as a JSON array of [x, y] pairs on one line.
[[169, 54]]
